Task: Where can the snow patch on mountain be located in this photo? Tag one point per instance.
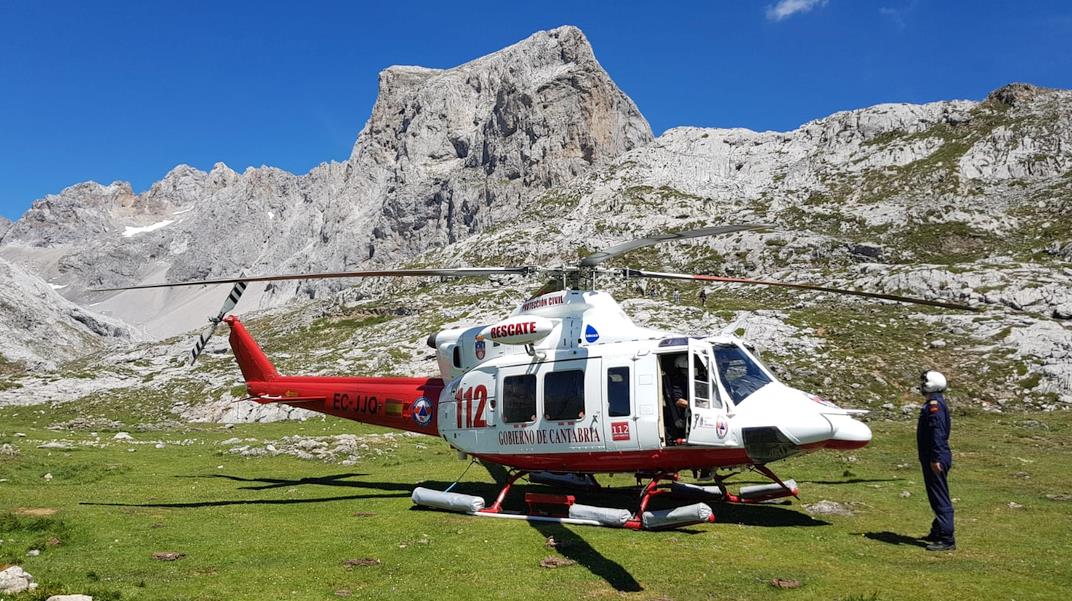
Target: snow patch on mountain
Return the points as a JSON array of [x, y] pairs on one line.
[[135, 230]]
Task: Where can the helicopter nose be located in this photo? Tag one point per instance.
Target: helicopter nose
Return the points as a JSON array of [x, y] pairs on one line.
[[808, 428], [849, 433]]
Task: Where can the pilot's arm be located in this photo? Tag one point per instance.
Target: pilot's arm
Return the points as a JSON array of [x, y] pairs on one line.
[[677, 394]]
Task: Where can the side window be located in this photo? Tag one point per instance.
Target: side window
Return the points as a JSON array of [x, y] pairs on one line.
[[519, 398], [618, 391], [563, 395], [457, 356], [700, 381]]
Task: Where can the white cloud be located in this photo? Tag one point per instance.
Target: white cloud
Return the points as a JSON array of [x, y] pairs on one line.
[[899, 15], [787, 8], [893, 15]]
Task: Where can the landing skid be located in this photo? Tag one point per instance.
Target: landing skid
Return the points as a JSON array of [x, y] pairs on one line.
[[759, 493], [563, 509]]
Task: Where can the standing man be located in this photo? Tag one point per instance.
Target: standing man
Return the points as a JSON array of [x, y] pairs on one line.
[[932, 443], [675, 393]]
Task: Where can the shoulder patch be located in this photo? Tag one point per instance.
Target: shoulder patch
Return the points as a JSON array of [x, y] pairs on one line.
[[934, 406]]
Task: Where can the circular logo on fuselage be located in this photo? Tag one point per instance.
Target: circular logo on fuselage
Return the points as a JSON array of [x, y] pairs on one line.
[[422, 411], [721, 427]]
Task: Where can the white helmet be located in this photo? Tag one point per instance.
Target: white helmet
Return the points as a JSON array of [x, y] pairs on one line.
[[932, 381]]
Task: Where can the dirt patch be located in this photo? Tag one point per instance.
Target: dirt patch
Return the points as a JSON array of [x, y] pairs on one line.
[[363, 562], [35, 512], [555, 562], [784, 583], [168, 555]]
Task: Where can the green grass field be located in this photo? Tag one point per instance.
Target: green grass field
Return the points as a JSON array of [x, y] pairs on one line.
[[283, 528]]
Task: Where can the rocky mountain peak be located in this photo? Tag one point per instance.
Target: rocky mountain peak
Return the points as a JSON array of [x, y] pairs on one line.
[[78, 212], [1015, 93], [562, 46], [458, 150]]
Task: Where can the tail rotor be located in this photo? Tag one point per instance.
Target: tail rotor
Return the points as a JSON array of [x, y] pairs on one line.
[[228, 306]]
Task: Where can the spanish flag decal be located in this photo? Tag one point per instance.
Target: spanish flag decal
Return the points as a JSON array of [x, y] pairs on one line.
[[394, 407]]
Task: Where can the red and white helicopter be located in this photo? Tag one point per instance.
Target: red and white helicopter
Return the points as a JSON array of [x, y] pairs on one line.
[[568, 386]]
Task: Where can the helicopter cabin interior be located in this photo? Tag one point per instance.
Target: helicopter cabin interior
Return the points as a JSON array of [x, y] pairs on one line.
[[694, 395]]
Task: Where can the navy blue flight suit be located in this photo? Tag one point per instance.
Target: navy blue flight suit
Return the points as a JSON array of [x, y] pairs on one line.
[[932, 443]]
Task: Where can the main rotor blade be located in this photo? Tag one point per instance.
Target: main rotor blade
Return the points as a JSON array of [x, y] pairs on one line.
[[712, 278], [598, 257], [446, 272], [232, 299]]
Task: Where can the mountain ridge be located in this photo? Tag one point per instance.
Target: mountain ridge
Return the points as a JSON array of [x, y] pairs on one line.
[[434, 163], [959, 200]]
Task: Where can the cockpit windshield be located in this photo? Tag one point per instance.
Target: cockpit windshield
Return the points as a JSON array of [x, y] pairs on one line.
[[740, 375]]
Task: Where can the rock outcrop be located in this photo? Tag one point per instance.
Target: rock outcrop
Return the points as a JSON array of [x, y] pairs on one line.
[[945, 182], [42, 329], [14, 580]]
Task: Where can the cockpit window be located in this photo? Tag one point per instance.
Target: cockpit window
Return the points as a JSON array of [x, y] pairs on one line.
[[739, 373]]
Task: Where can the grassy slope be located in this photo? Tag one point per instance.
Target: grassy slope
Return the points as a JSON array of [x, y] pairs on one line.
[[256, 528]]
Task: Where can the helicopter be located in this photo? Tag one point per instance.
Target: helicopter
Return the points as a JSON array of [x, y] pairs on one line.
[[568, 387]]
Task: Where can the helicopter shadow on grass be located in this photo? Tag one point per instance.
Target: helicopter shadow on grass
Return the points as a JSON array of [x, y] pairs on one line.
[[893, 538], [826, 482], [576, 548], [337, 480], [227, 502], [764, 515], [851, 481], [568, 543]]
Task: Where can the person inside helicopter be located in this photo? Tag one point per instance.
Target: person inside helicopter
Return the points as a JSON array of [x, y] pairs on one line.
[[739, 373], [675, 380]]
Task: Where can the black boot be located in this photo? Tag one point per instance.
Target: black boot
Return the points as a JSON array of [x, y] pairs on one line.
[[942, 546]]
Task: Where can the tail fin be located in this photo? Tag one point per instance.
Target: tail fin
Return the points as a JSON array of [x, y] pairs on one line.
[[255, 365]]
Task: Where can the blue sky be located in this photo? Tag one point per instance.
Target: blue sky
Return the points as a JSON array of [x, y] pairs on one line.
[[127, 90]]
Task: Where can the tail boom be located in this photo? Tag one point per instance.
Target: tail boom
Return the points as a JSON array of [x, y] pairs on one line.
[[401, 403], [408, 404]]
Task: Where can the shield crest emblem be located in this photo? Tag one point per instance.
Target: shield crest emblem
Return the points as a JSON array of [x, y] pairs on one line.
[[478, 349]]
